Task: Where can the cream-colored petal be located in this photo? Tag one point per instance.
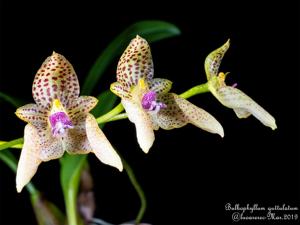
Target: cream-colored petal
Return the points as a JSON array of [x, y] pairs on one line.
[[135, 63], [100, 145], [172, 116], [50, 147], [153, 118], [29, 159], [213, 60], [179, 112], [56, 79], [160, 85], [242, 113], [80, 107], [143, 124], [242, 103], [32, 114], [120, 90], [76, 141]]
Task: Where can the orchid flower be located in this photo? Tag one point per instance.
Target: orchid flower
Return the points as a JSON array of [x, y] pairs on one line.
[[147, 100], [230, 96], [59, 121]]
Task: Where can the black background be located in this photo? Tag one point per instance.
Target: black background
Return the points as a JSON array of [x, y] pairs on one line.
[[189, 175]]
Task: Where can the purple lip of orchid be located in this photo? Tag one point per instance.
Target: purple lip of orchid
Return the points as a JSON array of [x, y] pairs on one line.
[[59, 123], [149, 102]]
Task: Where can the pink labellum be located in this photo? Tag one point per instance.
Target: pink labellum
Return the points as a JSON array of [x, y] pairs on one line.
[[59, 123]]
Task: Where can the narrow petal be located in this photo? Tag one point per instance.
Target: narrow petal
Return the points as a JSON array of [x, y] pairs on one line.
[[213, 60], [135, 63], [29, 159], [56, 79], [100, 145], [80, 107], [243, 105], [143, 124], [76, 141], [32, 114], [120, 90], [179, 112], [50, 147], [160, 86]]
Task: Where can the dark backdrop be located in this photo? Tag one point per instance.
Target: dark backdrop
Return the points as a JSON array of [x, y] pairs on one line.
[[189, 175]]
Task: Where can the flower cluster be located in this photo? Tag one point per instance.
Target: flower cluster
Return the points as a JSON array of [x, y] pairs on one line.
[[60, 120]]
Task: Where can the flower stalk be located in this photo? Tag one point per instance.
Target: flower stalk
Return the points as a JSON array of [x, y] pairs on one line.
[[113, 115], [199, 89], [138, 189]]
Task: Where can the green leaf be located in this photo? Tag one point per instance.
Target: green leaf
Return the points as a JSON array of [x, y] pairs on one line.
[[106, 101], [71, 166], [150, 30], [70, 170], [12, 100], [9, 159]]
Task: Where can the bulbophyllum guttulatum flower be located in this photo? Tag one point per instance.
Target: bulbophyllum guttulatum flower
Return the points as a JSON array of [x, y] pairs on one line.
[[147, 100], [59, 121], [230, 96]]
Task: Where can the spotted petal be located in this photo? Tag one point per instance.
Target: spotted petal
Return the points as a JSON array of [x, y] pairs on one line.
[[143, 124], [160, 86], [32, 114], [100, 145], [29, 159], [213, 60], [50, 147], [80, 107], [56, 79], [135, 63], [179, 112], [243, 105], [119, 90], [76, 141]]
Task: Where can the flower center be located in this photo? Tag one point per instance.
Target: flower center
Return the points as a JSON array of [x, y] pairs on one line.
[[149, 102], [59, 120], [221, 78]]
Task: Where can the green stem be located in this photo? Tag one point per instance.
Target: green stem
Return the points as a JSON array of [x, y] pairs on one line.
[[9, 144], [138, 189], [120, 116], [199, 89], [71, 207], [115, 111], [114, 114]]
